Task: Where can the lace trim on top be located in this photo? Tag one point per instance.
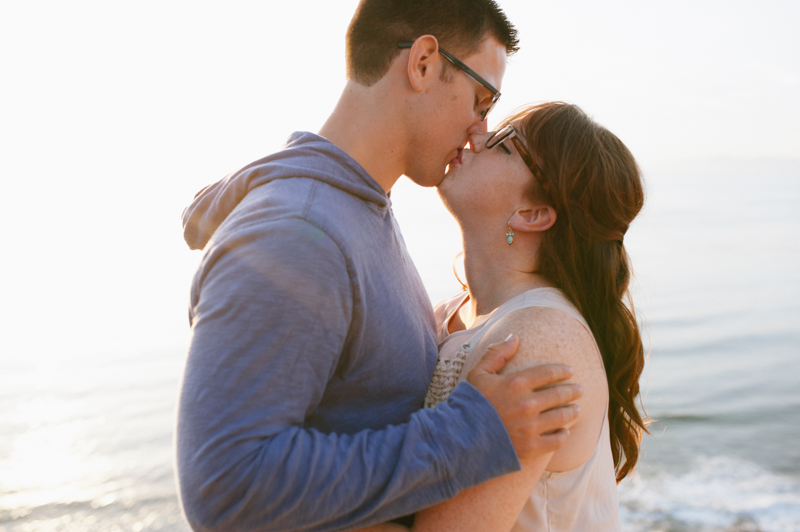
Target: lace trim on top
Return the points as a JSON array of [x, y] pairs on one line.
[[445, 376]]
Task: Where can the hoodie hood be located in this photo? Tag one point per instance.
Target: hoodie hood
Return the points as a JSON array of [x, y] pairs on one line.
[[304, 155]]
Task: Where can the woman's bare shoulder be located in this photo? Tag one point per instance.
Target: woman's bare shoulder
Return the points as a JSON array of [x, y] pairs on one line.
[[546, 335], [552, 335]]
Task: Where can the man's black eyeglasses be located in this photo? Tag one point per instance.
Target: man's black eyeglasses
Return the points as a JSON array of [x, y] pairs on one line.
[[468, 71]]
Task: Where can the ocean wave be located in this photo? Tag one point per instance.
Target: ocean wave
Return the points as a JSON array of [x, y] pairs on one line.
[[717, 494], [105, 514]]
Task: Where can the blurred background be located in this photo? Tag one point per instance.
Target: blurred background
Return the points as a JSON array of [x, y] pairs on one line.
[[112, 115]]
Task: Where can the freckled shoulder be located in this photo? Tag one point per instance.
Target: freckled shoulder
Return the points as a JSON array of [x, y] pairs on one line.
[[552, 335], [546, 335]]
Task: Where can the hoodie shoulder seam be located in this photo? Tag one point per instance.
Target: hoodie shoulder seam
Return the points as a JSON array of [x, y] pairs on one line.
[[351, 271], [347, 261], [304, 218], [310, 199]]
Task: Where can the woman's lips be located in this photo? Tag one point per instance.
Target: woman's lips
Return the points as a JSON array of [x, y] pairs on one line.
[[458, 159]]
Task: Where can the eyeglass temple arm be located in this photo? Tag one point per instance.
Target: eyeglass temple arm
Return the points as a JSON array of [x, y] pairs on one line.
[[453, 59]]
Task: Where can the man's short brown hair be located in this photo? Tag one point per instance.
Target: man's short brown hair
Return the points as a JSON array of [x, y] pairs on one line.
[[459, 25]]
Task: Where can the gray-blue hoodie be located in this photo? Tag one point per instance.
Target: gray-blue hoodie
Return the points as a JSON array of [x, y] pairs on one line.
[[313, 346]]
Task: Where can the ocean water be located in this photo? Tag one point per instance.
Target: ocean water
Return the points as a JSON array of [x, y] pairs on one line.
[[87, 440], [720, 293]]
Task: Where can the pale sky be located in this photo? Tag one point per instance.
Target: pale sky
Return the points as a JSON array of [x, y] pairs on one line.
[[112, 115]]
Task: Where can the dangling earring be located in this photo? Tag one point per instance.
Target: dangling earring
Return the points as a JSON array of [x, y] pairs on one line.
[[510, 236]]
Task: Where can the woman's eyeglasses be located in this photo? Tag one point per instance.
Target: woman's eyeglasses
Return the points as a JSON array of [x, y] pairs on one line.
[[509, 132]]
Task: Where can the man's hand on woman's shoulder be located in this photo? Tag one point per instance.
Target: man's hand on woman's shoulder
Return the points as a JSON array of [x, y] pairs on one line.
[[534, 403], [552, 335]]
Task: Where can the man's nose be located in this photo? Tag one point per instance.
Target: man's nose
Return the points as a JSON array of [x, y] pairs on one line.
[[479, 127]]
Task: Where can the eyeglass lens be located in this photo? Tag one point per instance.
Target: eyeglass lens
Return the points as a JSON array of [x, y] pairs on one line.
[[500, 136]]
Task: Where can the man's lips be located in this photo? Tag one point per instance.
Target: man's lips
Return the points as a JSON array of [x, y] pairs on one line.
[[458, 159]]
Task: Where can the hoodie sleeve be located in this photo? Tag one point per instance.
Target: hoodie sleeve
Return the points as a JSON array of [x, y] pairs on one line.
[[245, 459]]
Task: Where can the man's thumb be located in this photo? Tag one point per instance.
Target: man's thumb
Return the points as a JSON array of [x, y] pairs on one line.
[[497, 355]]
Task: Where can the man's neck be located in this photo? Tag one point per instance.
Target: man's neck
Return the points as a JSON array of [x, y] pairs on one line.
[[367, 129]]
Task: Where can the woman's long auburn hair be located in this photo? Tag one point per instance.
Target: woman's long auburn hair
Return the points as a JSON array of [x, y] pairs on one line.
[[595, 186]]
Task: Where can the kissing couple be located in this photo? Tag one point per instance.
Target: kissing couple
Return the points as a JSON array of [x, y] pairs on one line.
[[322, 391]]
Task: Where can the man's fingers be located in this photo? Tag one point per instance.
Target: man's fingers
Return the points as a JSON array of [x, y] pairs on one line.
[[555, 396], [553, 441], [551, 421], [544, 375], [497, 355], [534, 404], [548, 434]]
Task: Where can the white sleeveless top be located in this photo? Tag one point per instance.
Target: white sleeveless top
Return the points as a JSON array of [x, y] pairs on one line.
[[579, 500]]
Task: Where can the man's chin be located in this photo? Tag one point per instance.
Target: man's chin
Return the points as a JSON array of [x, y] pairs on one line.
[[433, 179]]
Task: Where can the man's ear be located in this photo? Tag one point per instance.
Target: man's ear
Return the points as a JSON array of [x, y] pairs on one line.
[[533, 218], [423, 60]]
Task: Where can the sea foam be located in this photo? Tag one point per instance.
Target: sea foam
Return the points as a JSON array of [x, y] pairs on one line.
[[717, 494]]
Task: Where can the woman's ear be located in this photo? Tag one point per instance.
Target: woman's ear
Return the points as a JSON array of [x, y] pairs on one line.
[[422, 59], [533, 219]]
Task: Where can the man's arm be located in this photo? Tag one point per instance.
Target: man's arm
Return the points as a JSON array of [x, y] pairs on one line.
[[268, 332]]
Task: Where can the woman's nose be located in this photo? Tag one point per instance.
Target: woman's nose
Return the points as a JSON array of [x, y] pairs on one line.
[[477, 141]]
